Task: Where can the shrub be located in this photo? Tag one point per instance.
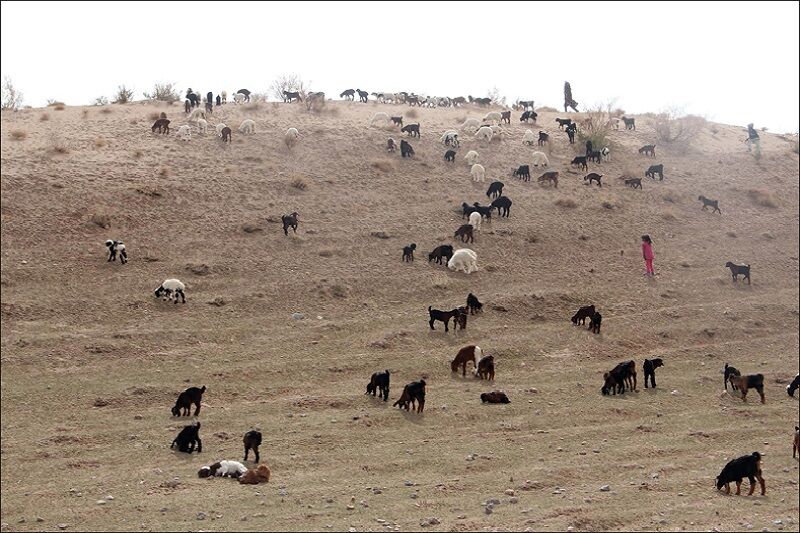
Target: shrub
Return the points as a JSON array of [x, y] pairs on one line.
[[497, 98], [546, 109], [101, 100], [59, 107], [44, 117], [163, 171], [763, 197], [288, 82], [163, 92], [299, 183], [412, 113], [338, 291], [58, 145], [675, 130], [155, 115], [566, 202], [99, 142], [123, 95], [594, 127], [384, 165], [106, 110], [18, 135], [12, 98], [104, 221]]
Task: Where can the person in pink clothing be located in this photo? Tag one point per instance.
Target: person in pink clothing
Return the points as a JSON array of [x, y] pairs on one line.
[[647, 253]]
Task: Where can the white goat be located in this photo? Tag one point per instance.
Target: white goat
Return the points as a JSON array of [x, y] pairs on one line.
[[196, 114], [247, 126], [498, 132], [450, 137], [239, 98], [529, 138], [475, 219], [464, 260], [380, 116], [223, 96], [221, 126], [185, 132], [484, 133], [470, 124], [606, 153], [494, 116], [477, 172], [540, 159], [202, 125], [471, 158]]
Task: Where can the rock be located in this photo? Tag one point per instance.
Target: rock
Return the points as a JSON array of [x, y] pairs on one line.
[[298, 316], [62, 526], [675, 393], [509, 492], [489, 509], [201, 515], [777, 522], [408, 483], [101, 502], [138, 417], [99, 402], [430, 521], [350, 507], [513, 499], [218, 302], [39, 519], [377, 491], [380, 234], [364, 503], [414, 496], [605, 488], [109, 497], [163, 510]]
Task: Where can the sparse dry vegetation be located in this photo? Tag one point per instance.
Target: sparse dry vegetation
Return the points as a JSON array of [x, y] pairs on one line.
[[384, 165], [568, 203], [676, 130], [299, 183], [58, 145], [413, 113], [18, 135], [163, 92], [44, 117], [290, 83], [763, 198], [123, 95], [99, 142], [59, 107], [11, 97]]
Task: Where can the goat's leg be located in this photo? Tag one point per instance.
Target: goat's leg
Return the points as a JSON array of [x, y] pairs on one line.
[[199, 445], [246, 449], [197, 411], [752, 485], [258, 456], [762, 483], [761, 393], [738, 487], [431, 323]]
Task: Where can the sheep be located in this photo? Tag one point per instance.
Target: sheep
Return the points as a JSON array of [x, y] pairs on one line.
[[227, 135], [246, 94], [114, 248], [380, 116], [450, 138], [411, 129], [465, 260], [712, 203], [477, 172], [563, 122], [550, 177], [413, 392], [183, 405], [737, 270], [543, 138], [493, 116], [752, 381], [348, 94], [172, 289], [594, 322], [606, 153], [653, 170], [292, 134], [582, 314], [540, 159], [289, 221], [467, 354], [187, 438], [475, 219], [471, 158], [252, 440], [248, 127], [379, 383], [408, 252], [495, 189], [498, 133], [465, 231], [219, 127], [494, 397], [649, 367], [528, 138], [185, 133], [238, 98], [633, 183], [484, 133], [748, 466], [729, 372], [196, 114], [484, 210], [614, 121], [470, 124], [486, 368], [473, 304], [528, 115], [523, 172], [232, 469], [630, 123], [391, 145], [162, 125], [202, 125], [503, 204], [648, 149], [444, 251], [593, 177], [224, 96], [258, 475], [406, 150], [397, 121], [450, 156]]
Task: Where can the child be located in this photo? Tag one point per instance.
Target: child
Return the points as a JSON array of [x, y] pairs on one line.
[[647, 253]]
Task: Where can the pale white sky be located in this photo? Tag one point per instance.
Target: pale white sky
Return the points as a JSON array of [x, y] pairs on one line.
[[734, 62]]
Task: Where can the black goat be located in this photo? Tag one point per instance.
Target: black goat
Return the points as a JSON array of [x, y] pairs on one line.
[[729, 372], [363, 96], [405, 149], [187, 438], [495, 189], [413, 392], [494, 397], [634, 183], [580, 161], [465, 231], [709, 203], [563, 122], [252, 440], [528, 115], [649, 367], [450, 156], [648, 149], [503, 206], [443, 316], [523, 173], [246, 94], [408, 252], [474, 306], [791, 387], [653, 170], [595, 156], [582, 314], [594, 322], [379, 384], [593, 177], [398, 120], [349, 94], [183, 405], [484, 210], [467, 210], [630, 123], [162, 125], [444, 251], [571, 130], [412, 129], [289, 221], [747, 466], [739, 270], [543, 138], [288, 96]]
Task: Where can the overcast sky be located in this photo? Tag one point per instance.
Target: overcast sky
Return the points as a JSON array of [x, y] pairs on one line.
[[733, 62]]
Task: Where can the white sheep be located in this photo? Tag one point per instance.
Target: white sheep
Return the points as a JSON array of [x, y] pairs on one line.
[[202, 125], [485, 133], [196, 114], [498, 132], [464, 260], [470, 124], [247, 126], [293, 133], [475, 220], [233, 469], [540, 159], [388, 97], [494, 116], [450, 137], [471, 158], [239, 98], [223, 97], [171, 289], [477, 172], [529, 138], [221, 126], [380, 116], [185, 132]]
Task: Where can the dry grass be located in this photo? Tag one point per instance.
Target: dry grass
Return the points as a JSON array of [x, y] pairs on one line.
[[153, 116], [137, 154], [547, 109], [103, 221], [99, 142], [677, 132], [106, 110], [44, 117], [568, 203], [164, 171], [384, 165], [59, 107], [300, 183], [763, 198], [58, 145], [18, 135], [413, 113]]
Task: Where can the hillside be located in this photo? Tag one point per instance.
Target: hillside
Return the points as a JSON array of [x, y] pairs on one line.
[[76, 329]]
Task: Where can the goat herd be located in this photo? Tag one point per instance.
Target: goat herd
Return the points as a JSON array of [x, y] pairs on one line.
[[619, 379]]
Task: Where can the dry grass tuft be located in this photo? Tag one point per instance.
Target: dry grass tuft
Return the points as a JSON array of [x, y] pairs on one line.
[[104, 221], [384, 165], [58, 145], [412, 113], [106, 110], [59, 107], [567, 203], [338, 291], [100, 142], [763, 197], [299, 183], [85, 114], [439, 281], [137, 154], [44, 117], [155, 115], [18, 135], [546, 109], [164, 171]]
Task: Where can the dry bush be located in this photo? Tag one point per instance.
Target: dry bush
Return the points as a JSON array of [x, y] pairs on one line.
[[100, 142], [104, 221], [155, 115], [384, 165], [497, 98], [338, 291], [668, 215], [763, 197], [101, 100], [439, 281], [251, 106], [133, 121], [546, 109], [58, 145], [44, 117], [106, 110], [18, 135], [629, 172], [299, 183], [163, 92], [163, 171], [137, 154], [412, 113], [59, 107], [677, 130], [123, 95], [290, 83], [672, 197], [566, 202], [595, 127], [11, 97]]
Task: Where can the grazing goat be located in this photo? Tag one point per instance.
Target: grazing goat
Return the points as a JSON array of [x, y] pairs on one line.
[[162, 125], [580, 161], [411, 129], [528, 138], [634, 183], [246, 94], [467, 210], [380, 116], [649, 367], [450, 138], [623, 374], [796, 441], [467, 354], [289, 96], [185, 133], [495, 189], [595, 321], [523, 173], [289, 221], [408, 252], [349, 94], [187, 438], [648, 149], [653, 170], [248, 126], [196, 115], [291, 136], [391, 145], [582, 314], [493, 116], [486, 368], [606, 153], [444, 251], [630, 123], [363, 96], [475, 220], [465, 232], [505, 116], [477, 172], [550, 177], [728, 373], [406, 150], [227, 135], [594, 156], [413, 392], [543, 138], [443, 316], [470, 124], [563, 122], [219, 127], [494, 397], [751, 381], [709, 203], [593, 177], [114, 248], [484, 133], [791, 387], [252, 440], [737, 270], [528, 115], [465, 260], [473, 304], [171, 289], [471, 158], [260, 474], [232, 469], [747, 466], [503, 206], [183, 405], [540, 158], [202, 125], [379, 384], [450, 156], [484, 210]]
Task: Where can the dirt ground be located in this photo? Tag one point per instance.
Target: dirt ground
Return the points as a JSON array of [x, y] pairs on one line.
[[92, 362]]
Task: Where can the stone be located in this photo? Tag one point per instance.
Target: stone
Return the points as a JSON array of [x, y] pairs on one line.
[[605, 488]]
